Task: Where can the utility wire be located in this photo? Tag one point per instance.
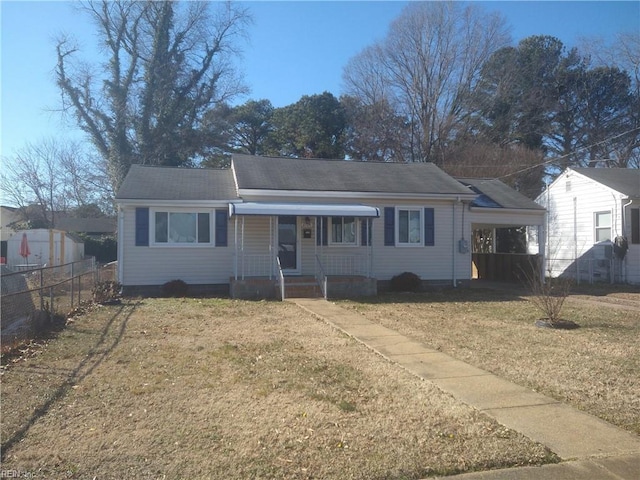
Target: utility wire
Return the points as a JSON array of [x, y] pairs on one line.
[[555, 159]]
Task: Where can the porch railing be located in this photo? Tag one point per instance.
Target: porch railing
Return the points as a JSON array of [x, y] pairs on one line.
[[345, 265], [321, 277], [280, 278], [255, 266], [262, 265]]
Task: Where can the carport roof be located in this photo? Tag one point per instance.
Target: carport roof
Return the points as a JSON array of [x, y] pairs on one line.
[[493, 193]]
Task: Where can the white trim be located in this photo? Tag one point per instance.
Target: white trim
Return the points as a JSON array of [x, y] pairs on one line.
[[355, 242], [499, 210], [169, 244], [596, 227], [418, 209], [452, 197], [174, 203]]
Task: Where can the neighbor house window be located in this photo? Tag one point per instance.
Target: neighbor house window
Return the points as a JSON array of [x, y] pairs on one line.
[[182, 228], [603, 226], [409, 226], [343, 230]]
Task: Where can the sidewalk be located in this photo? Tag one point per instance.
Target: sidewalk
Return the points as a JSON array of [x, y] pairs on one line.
[[592, 449]]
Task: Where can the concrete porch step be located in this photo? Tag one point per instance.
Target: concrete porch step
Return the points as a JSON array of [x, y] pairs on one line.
[[301, 287]]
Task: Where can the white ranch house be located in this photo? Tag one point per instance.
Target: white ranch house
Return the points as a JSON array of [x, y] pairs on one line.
[[267, 223], [594, 225]]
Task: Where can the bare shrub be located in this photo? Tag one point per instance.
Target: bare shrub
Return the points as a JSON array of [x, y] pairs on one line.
[[547, 294], [105, 292]]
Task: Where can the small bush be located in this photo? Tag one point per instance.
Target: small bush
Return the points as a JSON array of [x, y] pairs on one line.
[[175, 288], [406, 282], [104, 292]]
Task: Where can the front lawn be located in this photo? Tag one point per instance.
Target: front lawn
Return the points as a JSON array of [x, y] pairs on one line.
[[594, 368], [214, 388]]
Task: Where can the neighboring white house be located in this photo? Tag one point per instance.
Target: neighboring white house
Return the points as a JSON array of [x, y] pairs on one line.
[[330, 221], [46, 247], [594, 224]]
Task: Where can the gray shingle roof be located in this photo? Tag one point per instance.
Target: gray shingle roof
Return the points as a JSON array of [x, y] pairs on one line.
[[495, 194], [623, 180], [86, 225], [276, 173], [171, 183]]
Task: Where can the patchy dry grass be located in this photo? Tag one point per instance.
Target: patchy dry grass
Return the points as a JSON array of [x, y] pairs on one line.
[[210, 388], [594, 368]]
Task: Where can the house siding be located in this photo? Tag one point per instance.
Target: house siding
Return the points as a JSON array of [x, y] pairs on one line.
[[572, 202], [439, 262], [432, 263], [151, 265]]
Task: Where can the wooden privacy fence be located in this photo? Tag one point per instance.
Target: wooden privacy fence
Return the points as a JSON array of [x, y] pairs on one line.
[[505, 267]]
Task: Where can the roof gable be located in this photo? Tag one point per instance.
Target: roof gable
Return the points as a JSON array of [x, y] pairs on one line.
[[320, 175], [173, 183]]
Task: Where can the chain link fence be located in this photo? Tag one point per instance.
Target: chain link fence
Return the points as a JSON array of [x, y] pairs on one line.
[[587, 270], [31, 299]]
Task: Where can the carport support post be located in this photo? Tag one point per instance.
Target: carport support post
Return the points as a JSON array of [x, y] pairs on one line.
[[41, 288], [72, 278], [542, 251]]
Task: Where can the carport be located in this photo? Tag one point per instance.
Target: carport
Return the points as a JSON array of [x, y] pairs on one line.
[[497, 208]]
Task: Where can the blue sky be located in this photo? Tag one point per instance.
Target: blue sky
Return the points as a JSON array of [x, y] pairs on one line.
[[295, 48]]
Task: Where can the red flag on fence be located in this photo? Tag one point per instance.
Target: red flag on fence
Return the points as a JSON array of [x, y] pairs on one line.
[[24, 248]]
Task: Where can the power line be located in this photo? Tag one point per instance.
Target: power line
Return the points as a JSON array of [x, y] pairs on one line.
[[555, 159]]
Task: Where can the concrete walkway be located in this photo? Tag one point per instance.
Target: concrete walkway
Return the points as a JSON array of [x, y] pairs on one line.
[[592, 449]]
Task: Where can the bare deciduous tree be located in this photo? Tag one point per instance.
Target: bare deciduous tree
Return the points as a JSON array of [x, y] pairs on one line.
[[166, 64], [48, 176], [425, 67]]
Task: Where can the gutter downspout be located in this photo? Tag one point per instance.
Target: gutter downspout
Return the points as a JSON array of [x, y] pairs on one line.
[[453, 244], [623, 231], [120, 245], [575, 238]]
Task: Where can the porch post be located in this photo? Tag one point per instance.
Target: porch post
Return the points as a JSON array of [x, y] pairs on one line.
[[272, 258], [370, 244], [322, 244], [242, 247], [542, 243], [235, 246]]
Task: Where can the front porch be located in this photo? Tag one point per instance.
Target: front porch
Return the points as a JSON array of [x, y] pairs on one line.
[[258, 288], [302, 250]]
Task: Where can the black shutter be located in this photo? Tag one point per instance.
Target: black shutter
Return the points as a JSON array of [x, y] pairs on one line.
[[429, 227], [142, 227], [389, 226], [221, 228]]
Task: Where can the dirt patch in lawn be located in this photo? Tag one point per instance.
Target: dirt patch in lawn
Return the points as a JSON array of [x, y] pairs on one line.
[[197, 388], [594, 367]]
